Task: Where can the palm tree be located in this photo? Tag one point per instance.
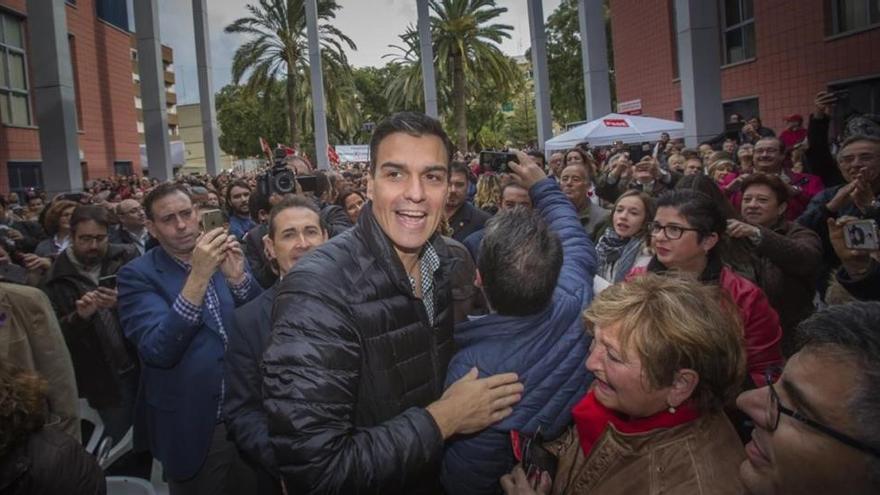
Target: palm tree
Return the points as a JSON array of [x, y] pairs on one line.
[[278, 46], [465, 43]]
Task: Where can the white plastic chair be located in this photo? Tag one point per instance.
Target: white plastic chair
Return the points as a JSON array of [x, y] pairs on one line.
[[87, 413]]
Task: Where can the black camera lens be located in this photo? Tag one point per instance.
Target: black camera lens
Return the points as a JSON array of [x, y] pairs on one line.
[[284, 182]]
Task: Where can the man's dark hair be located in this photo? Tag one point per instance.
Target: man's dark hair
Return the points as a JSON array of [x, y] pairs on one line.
[[773, 182], [162, 190], [515, 185], [323, 183], [460, 168], [537, 154], [849, 331], [519, 261], [413, 123], [291, 201], [84, 213], [256, 203], [228, 196], [697, 208]]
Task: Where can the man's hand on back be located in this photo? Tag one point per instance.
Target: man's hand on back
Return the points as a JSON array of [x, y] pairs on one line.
[[471, 404], [526, 173]]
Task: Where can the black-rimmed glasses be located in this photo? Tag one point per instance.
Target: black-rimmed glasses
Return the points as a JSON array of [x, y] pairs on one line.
[[776, 409], [672, 232]]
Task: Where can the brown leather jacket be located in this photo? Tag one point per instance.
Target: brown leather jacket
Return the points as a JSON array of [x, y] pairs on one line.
[[698, 458]]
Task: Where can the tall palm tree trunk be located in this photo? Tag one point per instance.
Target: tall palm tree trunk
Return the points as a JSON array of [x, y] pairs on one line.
[[459, 101], [290, 86]]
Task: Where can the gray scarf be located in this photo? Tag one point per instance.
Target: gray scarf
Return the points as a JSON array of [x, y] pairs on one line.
[[617, 255]]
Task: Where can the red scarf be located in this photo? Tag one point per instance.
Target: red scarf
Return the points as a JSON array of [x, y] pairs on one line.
[[591, 418]]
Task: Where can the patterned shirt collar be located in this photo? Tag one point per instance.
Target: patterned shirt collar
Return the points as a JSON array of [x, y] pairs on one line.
[[429, 262]]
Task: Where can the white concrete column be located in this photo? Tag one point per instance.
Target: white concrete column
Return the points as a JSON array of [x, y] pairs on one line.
[[539, 71], [152, 74], [594, 50], [210, 133], [426, 49], [54, 95], [699, 66], [317, 79]]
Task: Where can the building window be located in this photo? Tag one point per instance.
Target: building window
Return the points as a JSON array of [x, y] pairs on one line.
[[673, 26], [113, 11], [853, 15], [856, 99], [14, 99], [71, 41], [746, 108], [24, 176], [738, 35], [122, 168]]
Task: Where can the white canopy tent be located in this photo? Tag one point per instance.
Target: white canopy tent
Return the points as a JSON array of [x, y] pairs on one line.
[[616, 127]]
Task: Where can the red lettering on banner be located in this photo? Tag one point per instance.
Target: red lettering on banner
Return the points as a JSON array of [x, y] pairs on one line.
[[615, 123]]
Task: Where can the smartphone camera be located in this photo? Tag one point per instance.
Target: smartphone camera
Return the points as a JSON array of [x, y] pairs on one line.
[[496, 161], [861, 235]]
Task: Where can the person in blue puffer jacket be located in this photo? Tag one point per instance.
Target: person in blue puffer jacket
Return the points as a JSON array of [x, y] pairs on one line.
[[536, 270]]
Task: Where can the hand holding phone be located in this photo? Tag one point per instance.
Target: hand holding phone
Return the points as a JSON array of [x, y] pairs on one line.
[[211, 219], [496, 161]]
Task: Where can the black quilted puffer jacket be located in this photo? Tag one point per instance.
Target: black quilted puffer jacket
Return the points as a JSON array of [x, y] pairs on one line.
[[351, 365]]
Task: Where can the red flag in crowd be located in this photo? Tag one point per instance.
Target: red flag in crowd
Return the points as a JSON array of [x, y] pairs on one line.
[[332, 155], [265, 146]]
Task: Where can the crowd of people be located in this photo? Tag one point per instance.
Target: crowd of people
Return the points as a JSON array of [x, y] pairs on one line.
[[599, 320]]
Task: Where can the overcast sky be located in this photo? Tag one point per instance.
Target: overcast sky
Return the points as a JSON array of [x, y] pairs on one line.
[[371, 24]]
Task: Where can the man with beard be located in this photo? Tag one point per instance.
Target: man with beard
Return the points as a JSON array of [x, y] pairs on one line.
[[463, 217], [81, 286], [768, 159], [240, 221], [294, 230], [132, 225]]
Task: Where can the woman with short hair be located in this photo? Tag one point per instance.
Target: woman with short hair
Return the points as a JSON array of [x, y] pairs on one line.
[[667, 357]]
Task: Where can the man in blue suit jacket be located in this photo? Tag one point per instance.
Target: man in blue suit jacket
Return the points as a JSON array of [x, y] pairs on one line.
[[176, 305], [536, 269], [295, 229]]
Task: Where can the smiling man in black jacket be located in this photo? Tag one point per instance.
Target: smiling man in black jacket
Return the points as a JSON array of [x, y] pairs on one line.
[[362, 336]]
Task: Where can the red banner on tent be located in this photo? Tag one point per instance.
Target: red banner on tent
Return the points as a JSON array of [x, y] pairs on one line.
[[615, 123]]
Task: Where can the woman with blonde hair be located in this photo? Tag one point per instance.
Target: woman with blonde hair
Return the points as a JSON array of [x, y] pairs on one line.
[[488, 196], [667, 356]]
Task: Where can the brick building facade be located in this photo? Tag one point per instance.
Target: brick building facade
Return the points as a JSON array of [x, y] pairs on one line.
[[106, 88], [775, 55]]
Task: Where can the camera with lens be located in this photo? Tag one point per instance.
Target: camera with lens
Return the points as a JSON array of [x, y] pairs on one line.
[[279, 179]]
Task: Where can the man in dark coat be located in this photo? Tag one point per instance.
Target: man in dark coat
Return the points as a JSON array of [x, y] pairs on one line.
[[295, 229], [106, 365], [463, 217], [362, 336]]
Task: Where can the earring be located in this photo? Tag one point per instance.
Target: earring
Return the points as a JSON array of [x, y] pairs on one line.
[[671, 409]]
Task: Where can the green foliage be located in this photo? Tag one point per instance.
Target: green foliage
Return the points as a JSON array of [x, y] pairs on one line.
[[277, 49], [565, 62], [243, 119]]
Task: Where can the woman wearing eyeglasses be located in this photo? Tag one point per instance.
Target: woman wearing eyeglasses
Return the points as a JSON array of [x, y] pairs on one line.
[[684, 235], [667, 356]]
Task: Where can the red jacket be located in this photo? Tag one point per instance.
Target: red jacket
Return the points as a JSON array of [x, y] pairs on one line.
[[761, 327]]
